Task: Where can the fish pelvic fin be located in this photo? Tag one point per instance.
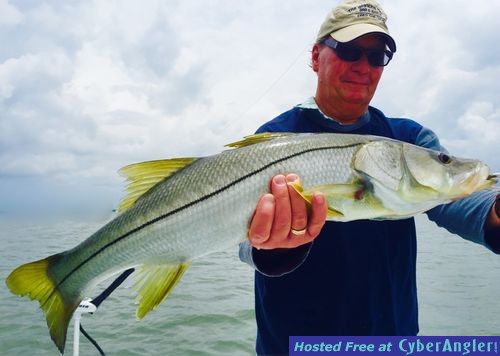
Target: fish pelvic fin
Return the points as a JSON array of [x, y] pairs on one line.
[[143, 176], [32, 280], [154, 284]]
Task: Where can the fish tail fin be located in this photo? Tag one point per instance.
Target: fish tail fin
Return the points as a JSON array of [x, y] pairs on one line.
[[33, 280]]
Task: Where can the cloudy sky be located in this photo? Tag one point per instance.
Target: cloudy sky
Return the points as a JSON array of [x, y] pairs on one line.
[[87, 87]]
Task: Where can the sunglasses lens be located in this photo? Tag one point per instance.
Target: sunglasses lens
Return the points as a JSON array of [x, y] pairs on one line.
[[377, 58], [348, 53]]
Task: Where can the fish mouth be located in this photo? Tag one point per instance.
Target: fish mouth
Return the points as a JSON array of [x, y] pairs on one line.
[[493, 177], [479, 179]]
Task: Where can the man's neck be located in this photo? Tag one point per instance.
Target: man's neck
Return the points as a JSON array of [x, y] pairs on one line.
[[347, 114]]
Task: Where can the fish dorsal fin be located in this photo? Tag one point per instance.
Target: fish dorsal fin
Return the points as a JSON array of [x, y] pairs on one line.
[[144, 175], [258, 138], [154, 284]]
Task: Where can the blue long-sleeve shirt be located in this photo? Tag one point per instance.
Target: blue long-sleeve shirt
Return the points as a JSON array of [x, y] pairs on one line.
[[356, 278]]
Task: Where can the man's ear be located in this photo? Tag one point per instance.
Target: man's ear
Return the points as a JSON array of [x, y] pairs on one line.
[[315, 57]]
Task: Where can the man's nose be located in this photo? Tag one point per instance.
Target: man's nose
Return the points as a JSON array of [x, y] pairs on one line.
[[361, 65]]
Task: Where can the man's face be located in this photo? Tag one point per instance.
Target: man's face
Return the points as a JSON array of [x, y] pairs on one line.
[[347, 84]]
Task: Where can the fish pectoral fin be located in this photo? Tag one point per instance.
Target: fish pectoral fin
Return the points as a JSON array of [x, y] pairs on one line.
[[300, 190], [154, 283], [33, 280], [142, 176], [308, 194], [258, 138], [349, 191]]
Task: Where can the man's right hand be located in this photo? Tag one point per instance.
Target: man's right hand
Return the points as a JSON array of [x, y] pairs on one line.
[[281, 219]]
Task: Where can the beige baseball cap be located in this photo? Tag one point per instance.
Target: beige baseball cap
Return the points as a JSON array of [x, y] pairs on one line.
[[354, 18]]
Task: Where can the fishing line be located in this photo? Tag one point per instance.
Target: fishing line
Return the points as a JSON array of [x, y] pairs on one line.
[[105, 293], [276, 81], [82, 330]]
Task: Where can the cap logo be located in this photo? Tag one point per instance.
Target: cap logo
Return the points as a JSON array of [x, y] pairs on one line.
[[367, 10]]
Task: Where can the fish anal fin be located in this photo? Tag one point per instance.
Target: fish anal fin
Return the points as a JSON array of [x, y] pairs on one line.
[[258, 138], [154, 284], [33, 281], [142, 176]]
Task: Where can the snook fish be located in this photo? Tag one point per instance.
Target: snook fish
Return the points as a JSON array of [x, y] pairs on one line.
[[180, 209]]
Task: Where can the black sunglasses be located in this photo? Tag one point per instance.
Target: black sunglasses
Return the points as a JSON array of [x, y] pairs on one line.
[[352, 53]]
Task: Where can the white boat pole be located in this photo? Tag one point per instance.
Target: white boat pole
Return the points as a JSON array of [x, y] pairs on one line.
[[76, 333], [85, 306]]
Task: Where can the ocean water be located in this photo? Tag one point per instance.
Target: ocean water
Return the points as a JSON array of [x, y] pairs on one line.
[[210, 312]]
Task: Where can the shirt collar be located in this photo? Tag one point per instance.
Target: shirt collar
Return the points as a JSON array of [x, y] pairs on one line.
[[310, 103]]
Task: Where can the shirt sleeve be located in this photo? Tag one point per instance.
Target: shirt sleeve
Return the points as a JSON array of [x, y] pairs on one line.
[[465, 217], [428, 139]]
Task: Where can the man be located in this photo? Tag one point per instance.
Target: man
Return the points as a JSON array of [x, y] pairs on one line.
[[355, 278]]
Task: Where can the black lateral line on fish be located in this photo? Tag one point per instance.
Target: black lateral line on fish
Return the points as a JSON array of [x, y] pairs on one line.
[[194, 202]]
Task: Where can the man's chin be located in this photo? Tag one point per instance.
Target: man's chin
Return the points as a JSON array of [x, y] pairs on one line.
[[357, 99], [356, 94]]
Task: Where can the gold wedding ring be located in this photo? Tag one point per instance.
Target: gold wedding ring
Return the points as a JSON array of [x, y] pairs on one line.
[[298, 232]]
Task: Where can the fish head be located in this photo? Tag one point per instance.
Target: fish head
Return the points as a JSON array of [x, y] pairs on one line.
[[417, 174], [449, 176]]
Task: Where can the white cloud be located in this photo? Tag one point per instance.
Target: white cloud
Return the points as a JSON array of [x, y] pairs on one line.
[[9, 14], [478, 133]]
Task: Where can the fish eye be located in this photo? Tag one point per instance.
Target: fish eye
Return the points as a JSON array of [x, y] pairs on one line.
[[444, 158]]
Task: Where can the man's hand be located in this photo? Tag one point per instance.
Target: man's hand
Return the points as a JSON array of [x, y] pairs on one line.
[[281, 219]]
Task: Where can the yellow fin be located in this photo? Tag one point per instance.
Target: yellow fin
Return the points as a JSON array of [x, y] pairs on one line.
[[258, 138], [308, 194], [32, 280], [154, 284], [336, 190], [144, 175], [300, 190]]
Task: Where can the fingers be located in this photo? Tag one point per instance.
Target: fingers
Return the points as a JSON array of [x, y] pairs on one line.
[[316, 220], [271, 223], [262, 221], [298, 206], [319, 211], [282, 210]]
